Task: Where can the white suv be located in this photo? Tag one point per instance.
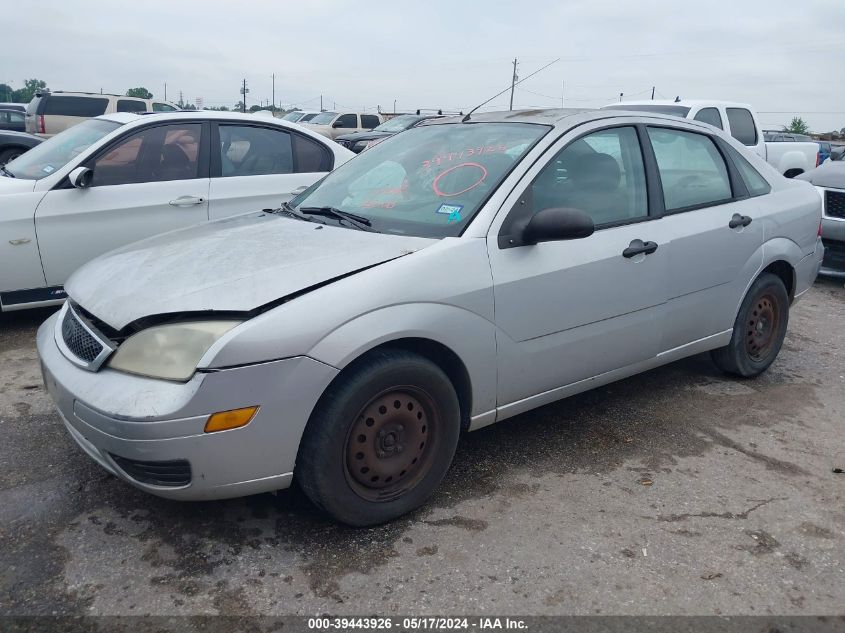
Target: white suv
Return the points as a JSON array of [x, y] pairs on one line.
[[333, 124], [118, 178], [52, 112]]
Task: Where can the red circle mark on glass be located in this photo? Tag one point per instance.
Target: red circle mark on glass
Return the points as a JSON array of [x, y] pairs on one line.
[[443, 194]]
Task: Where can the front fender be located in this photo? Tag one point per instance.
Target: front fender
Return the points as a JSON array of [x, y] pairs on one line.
[[471, 337]]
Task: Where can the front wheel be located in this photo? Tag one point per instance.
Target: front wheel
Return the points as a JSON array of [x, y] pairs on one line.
[[759, 329], [381, 438]]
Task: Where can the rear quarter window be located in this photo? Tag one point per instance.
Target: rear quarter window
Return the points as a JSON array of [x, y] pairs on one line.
[[74, 106]]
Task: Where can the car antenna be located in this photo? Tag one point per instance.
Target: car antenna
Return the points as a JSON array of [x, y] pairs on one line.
[[466, 118]]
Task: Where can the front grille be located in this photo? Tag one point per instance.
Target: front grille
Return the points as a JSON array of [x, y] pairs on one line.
[[172, 474], [834, 254], [834, 203], [78, 339]]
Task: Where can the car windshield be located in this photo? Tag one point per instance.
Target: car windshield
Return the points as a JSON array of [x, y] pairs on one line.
[[54, 153], [323, 118], [398, 123], [429, 181], [292, 116]]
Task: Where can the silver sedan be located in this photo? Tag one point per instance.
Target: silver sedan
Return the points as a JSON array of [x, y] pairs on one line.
[[453, 276]]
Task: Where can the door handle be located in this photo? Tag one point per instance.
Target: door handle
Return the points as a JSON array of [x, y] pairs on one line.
[[739, 220], [638, 246], [186, 201]]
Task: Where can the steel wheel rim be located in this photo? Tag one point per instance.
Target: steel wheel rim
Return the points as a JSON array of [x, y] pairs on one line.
[[762, 326], [390, 445]]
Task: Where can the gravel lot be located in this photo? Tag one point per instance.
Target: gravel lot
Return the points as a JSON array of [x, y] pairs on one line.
[[675, 492]]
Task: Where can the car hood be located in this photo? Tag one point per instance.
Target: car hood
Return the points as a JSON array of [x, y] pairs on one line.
[[828, 175], [233, 265], [363, 136], [15, 185]]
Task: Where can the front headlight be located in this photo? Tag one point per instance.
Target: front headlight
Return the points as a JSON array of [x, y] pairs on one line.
[[170, 351], [360, 146]]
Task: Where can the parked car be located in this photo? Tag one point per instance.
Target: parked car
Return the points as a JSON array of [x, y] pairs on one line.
[[829, 180], [52, 112], [333, 124], [740, 121], [452, 276], [13, 144], [825, 151], [121, 177], [359, 141], [13, 106], [12, 119], [300, 116]]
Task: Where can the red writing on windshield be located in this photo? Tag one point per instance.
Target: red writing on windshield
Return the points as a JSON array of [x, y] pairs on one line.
[[464, 153]]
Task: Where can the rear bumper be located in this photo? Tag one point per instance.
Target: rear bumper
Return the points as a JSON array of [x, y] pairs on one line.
[[112, 415]]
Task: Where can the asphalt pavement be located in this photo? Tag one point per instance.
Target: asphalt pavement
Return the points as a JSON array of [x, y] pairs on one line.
[[679, 491]]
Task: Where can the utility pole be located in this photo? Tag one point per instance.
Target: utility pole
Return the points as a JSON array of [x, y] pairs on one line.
[[244, 90], [181, 101], [652, 93], [165, 91], [321, 103], [273, 109], [513, 82], [620, 96]]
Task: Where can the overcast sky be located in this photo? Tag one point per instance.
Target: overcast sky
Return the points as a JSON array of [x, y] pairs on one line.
[[785, 58]]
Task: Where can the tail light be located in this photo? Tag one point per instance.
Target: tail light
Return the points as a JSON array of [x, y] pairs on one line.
[[818, 158], [41, 127], [820, 228]]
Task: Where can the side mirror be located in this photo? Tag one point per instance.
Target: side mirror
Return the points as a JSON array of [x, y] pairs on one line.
[[557, 223], [337, 123], [81, 177]]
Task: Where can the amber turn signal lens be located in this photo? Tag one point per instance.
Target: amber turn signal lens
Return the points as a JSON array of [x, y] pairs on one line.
[[226, 420]]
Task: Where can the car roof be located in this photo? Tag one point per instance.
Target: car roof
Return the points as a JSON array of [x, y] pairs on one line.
[[136, 119], [562, 117], [687, 103], [179, 115]]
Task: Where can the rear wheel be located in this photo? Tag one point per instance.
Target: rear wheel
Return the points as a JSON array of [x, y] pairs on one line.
[[381, 439], [759, 329]]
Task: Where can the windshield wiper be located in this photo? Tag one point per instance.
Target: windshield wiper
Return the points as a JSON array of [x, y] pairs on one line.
[[289, 211], [7, 172], [358, 221]]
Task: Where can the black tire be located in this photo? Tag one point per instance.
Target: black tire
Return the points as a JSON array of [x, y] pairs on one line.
[[381, 438], [8, 155], [759, 329]]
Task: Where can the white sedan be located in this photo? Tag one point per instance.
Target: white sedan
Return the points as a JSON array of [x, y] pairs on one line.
[[123, 177]]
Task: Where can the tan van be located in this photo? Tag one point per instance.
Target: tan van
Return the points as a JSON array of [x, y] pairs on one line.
[[52, 112]]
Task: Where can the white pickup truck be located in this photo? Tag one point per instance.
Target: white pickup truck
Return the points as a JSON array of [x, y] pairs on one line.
[[740, 121]]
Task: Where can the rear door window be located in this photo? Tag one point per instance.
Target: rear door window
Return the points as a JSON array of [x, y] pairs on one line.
[[131, 105], [254, 151], [163, 107], [711, 116], [369, 121], [742, 125], [692, 171], [74, 106]]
